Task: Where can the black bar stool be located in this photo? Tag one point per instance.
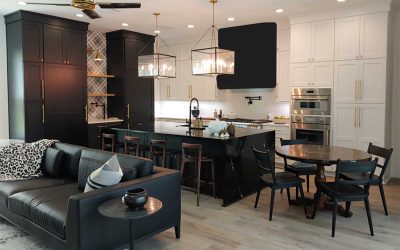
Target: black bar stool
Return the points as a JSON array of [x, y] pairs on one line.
[[192, 153], [158, 149], [131, 145], [109, 143]]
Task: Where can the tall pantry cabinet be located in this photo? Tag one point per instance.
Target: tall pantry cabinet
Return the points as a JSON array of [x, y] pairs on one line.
[[46, 59]]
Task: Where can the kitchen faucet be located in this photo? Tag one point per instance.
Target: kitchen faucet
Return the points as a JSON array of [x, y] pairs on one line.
[[195, 112]]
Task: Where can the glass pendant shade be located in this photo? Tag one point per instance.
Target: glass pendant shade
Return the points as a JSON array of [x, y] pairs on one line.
[[157, 65], [213, 61]]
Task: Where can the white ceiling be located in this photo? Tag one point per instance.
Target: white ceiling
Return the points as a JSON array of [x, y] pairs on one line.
[[177, 14]]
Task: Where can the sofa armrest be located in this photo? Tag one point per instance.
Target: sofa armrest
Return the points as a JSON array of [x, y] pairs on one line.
[[87, 229]]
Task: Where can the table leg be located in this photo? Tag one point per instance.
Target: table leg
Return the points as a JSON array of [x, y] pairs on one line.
[[131, 237]]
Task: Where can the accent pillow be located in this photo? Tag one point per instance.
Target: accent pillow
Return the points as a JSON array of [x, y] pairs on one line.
[[52, 162], [109, 174]]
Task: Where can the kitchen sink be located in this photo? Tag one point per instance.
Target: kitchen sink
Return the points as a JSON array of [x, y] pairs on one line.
[[187, 126]]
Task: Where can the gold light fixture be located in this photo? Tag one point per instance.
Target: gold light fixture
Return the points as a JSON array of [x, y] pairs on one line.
[[156, 65], [212, 60], [98, 57]]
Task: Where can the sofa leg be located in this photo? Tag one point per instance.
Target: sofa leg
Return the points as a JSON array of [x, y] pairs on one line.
[[178, 231]]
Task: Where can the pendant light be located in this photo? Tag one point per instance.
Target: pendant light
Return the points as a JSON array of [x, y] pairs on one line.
[[156, 65], [212, 60]]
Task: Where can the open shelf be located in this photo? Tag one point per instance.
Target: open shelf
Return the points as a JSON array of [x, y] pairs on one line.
[[100, 75], [100, 95]]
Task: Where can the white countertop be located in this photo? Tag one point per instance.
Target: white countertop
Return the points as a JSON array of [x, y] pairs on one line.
[[109, 120]]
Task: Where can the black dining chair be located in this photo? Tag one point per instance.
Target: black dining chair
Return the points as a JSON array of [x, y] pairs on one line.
[[299, 168], [377, 180], [269, 178], [342, 190]]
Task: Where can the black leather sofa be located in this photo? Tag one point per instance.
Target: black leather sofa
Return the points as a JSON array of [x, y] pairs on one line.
[[55, 209]]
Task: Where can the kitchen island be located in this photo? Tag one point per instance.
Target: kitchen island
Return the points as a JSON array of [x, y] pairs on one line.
[[236, 171]]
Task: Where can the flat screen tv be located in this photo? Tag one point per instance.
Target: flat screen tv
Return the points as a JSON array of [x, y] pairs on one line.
[[255, 56]]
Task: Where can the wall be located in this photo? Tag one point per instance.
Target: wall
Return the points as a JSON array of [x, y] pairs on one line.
[[3, 82]]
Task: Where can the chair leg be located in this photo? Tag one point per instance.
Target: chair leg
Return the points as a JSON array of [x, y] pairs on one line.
[[271, 205], [302, 198], [198, 177], [371, 227], [308, 183], [182, 168], [258, 193], [348, 204], [297, 193], [281, 190], [288, 195], [316, 203], [213, 178], [178, 231], [383, 198], [334, 212]]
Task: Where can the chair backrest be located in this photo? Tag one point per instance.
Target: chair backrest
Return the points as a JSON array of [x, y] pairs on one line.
[[293, 142], [264, 162], [383, 153], [192, 148], [131, 140], [158, 145], [105, 138], [365, 169]]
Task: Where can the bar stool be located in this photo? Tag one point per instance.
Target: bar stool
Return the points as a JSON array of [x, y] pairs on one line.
[[193, 153], [131, 145], [108, 142], [158, 149]]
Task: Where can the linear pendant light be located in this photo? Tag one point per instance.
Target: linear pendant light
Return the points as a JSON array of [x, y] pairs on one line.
[[212, 61], [156, 65]]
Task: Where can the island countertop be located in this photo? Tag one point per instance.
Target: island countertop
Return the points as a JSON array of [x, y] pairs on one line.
[[172, 128]]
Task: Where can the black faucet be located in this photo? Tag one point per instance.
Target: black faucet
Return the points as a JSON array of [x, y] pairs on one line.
[[100, 105], [195, 112]]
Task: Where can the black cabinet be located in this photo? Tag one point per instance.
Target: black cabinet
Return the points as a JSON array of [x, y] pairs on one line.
[[47, 81], [134, 100]]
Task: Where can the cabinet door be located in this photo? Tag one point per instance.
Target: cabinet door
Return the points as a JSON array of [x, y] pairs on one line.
[[196, 87], [185, 53], [347, 38], [346, 77], [33, 121], [373, 35], [209, 88], [33, 76], [372, 88], [301, 43], [76, 47], [32, 41], [185, 80], [283, 76], [283, 40], [53, 44], [300, 74], [164, 88], [345, 130], [174, 85], [371, 125], [323, 40], [322, 74]]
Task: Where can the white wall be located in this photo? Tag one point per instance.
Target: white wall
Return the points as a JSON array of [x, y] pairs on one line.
[[3, 82]]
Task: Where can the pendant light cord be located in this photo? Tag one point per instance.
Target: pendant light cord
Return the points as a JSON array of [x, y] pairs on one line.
[[213, 27], [157, 43]]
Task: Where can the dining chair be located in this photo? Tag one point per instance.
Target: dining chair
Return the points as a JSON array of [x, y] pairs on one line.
[[342, 190], [274, 180], [377, 180], [299, 168]]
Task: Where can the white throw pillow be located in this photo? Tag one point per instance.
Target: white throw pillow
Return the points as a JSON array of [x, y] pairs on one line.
[[109, 174]]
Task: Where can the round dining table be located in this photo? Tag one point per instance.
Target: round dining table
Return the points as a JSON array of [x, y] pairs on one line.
[[321, 156]]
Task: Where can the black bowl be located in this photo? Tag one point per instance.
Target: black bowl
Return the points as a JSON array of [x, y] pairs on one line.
[[136, 198]]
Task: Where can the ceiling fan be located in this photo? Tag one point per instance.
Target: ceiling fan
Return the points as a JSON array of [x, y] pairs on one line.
[[88, 6]]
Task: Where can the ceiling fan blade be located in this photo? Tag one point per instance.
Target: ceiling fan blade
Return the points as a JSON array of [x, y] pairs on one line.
[[105, 5], [91, 13], [56, 4]]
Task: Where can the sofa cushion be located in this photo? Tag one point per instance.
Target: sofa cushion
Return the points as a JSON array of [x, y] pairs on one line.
[[52, 162], [8, 188], [70, 163], [46, 207], [88, 165]]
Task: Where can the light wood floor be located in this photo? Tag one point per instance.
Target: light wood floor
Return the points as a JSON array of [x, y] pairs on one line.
[[240, 226]]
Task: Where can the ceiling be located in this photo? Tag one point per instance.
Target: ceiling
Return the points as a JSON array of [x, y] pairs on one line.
[[177, 14]]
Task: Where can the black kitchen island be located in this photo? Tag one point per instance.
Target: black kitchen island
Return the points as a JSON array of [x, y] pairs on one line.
[[236, 170]]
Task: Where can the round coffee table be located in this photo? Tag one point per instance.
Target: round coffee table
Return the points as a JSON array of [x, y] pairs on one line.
[[322, 155], [116, 209]]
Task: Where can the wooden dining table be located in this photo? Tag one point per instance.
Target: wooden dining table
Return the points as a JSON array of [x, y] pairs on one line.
[[322, 156]]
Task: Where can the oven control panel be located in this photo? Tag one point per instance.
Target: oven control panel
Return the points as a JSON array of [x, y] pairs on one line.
[[311, 119]]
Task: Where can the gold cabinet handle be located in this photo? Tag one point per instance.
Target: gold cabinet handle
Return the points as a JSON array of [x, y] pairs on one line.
[[360, 90], [355, 90], [169, 91], [128, 108], [86, 113], [355, 117], [359, 117], [43, 113], [42, 89]]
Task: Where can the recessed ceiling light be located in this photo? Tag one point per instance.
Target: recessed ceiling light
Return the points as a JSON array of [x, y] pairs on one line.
[[21, 3], [279, 11], [157, 31], [79, 15], [190, 26], [124, 24], [231, 19], [341, 1]]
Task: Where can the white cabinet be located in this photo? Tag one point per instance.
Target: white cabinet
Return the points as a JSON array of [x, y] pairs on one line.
[[361, 37], [283, 77], [312, 42], [283, 40], [169, 88], [209, 88], [360, 81], [356, 125], [281, 131], [317, 74]]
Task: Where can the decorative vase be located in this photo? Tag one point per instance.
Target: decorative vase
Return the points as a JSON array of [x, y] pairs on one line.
[[231, 129], [135, 198]]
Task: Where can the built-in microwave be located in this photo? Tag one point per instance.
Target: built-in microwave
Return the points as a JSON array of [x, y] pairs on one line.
[[311, 101]]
